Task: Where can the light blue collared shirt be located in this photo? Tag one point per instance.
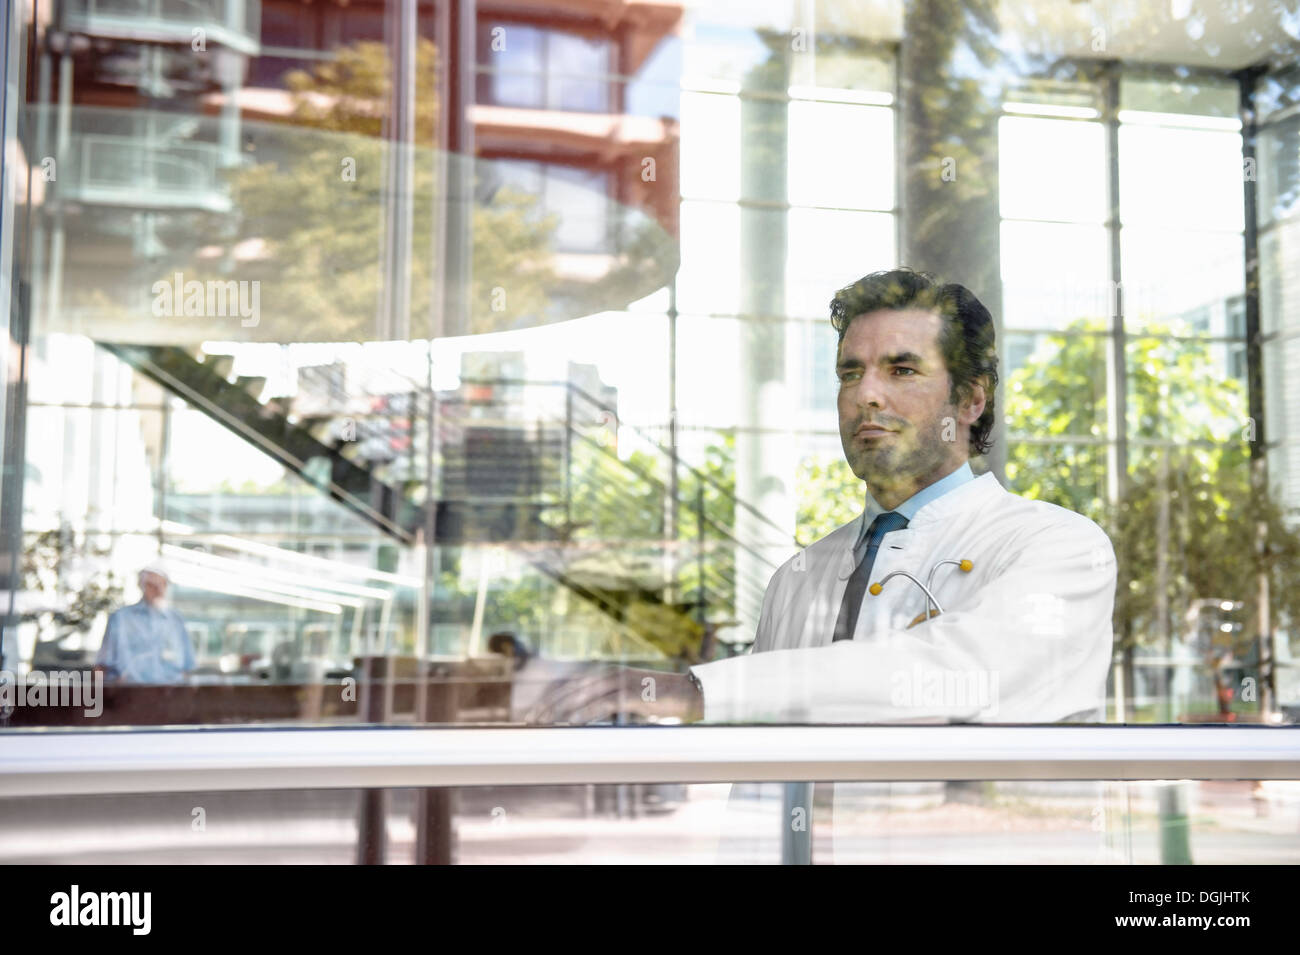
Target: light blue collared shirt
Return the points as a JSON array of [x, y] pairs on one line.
[[914, 503], [144, 644]]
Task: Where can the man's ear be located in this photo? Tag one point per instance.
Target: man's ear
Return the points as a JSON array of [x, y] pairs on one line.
[[975, 400]]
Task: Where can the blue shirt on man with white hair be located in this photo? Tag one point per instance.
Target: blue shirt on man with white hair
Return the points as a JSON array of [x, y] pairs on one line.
[[146, 644]]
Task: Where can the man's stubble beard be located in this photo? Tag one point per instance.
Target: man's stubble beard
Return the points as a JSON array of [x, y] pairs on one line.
[[883, 466]]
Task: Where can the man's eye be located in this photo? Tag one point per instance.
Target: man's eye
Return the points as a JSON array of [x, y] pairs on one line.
[[904, 368], [848, 376]]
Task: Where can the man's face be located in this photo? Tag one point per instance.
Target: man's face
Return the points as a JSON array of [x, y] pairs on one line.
[[899, 430], [153, 587]]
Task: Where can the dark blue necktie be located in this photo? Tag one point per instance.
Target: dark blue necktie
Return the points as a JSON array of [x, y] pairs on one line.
[[847, 621]]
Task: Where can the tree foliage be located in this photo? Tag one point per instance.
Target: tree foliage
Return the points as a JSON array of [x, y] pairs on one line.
[[1191, 525], [312, 212]]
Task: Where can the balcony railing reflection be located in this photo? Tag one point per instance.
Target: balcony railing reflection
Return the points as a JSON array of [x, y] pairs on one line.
[[236, 24]]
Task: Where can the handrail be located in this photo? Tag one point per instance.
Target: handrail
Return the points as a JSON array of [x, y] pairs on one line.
[[601, 406], [113, 760]]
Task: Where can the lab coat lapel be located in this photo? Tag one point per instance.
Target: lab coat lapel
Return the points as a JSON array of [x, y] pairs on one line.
[[930, 536], [821, 602]]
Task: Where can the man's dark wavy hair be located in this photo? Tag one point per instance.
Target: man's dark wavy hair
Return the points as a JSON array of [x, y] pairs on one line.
[[967, 339]]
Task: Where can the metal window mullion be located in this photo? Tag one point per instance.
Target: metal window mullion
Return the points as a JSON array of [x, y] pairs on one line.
[[1117, 471]]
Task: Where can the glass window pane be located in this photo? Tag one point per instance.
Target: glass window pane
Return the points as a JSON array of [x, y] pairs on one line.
[[1054, 274], [841, 155], [578, 69], [828, 249], [511, 56], [709, 280], [1068, 475], [1056, 384], [707, 395], [842, 74], [441, 442], [1181, 278], [1161, 167], [1278, 157], [94, 469], [1186, 95], [710, 146], [1038, 157], [724, 56], [1184, 390], [577, 197]]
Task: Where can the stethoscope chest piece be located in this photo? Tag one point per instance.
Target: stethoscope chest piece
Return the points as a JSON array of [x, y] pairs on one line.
[[932, 607]]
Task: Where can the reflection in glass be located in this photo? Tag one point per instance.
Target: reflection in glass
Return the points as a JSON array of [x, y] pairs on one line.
[[932, 823], [456, 366]]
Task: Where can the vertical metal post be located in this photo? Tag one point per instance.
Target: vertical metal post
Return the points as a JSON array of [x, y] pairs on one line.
[[796, 823], [436, 807], [400, 35], [1246, 81], [1117, 366], [164, 455], [372, 811], [1175, 828], [699, 547], [568, 456], [1116, 357], [14, 324], [457, 246], [1163, 631], [673, 491]]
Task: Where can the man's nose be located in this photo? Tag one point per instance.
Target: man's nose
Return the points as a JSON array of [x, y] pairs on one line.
[[870, 392]]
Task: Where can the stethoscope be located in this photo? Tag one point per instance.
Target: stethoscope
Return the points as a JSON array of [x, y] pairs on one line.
[[875, 589]]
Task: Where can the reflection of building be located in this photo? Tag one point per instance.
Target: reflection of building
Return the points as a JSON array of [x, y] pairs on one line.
[[800, 169], [116, 99], [552, 102]]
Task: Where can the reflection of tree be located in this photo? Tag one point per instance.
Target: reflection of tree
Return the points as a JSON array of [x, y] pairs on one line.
[[830, 494], [317, 206], [47, 559], [952, 97], [1187, 528]]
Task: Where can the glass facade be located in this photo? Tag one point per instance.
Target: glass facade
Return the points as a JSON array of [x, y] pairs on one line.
[[442, 356]]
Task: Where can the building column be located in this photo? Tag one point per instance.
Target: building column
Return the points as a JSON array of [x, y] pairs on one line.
[[949, 105], [764, 465]]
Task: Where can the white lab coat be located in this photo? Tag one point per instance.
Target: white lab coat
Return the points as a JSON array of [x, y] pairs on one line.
[[1025, 636]]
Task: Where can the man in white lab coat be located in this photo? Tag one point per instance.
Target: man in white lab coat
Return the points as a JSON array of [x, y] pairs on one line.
[[1028, 588], [850, 629], [948, 599]]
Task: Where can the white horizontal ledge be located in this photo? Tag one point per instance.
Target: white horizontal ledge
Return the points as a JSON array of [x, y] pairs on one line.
[[56, 762]]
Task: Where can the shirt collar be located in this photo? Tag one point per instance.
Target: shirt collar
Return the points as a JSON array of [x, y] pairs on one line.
[[913, 504]]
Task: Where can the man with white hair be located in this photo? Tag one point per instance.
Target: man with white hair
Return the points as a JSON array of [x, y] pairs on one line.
[[147, 641]]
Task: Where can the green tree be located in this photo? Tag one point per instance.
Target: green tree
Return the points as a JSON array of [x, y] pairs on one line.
[[1187, 528], [830, 494], [69, 607]]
